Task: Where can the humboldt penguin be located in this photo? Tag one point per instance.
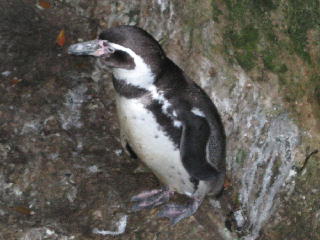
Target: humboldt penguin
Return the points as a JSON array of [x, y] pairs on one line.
[[165, 118]]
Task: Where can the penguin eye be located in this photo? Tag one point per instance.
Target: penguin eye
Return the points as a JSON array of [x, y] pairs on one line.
[[110, 50], [120, 59]]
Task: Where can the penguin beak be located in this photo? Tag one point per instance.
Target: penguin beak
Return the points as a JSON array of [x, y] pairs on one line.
[[95, 48]]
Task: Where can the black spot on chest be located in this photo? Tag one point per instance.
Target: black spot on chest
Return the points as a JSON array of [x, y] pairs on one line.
[[195, 183], [165, 122]]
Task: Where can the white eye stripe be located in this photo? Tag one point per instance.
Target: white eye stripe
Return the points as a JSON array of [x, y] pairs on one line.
[[127, 50]]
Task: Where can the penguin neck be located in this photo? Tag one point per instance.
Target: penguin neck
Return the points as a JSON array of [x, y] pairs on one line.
[[140, 76], [135, 82]]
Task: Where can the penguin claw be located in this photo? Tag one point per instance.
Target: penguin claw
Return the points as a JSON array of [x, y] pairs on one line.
[[150, 199], [175, 213]]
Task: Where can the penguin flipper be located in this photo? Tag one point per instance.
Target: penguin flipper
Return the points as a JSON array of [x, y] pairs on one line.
[[193, 144]]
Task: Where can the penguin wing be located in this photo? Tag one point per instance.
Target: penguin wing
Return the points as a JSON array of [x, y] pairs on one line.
[[193, 144]]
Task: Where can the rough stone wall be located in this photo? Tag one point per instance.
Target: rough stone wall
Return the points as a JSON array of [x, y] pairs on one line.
[[60, 159]]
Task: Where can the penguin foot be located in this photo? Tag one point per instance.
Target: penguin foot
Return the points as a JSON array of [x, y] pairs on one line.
[[150, 199], [176, 212]]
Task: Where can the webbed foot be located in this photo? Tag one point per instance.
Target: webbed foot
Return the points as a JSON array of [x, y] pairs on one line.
[[150, 199], [176, 212]]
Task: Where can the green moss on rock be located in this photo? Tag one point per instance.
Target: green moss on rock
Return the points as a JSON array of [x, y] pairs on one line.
[[302, 15], [241, 156], [272, 62], [216, 12], [245, 43]]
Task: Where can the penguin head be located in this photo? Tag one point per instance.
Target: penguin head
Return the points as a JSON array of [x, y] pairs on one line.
[[129, 51]]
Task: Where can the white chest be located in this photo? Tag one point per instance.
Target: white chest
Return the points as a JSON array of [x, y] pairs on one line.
[[152, 145]]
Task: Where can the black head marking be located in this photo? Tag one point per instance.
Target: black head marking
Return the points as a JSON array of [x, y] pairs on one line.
[[120, 59], [139, 41]]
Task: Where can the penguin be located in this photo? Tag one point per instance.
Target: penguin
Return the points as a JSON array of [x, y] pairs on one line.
[[165, 118]]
